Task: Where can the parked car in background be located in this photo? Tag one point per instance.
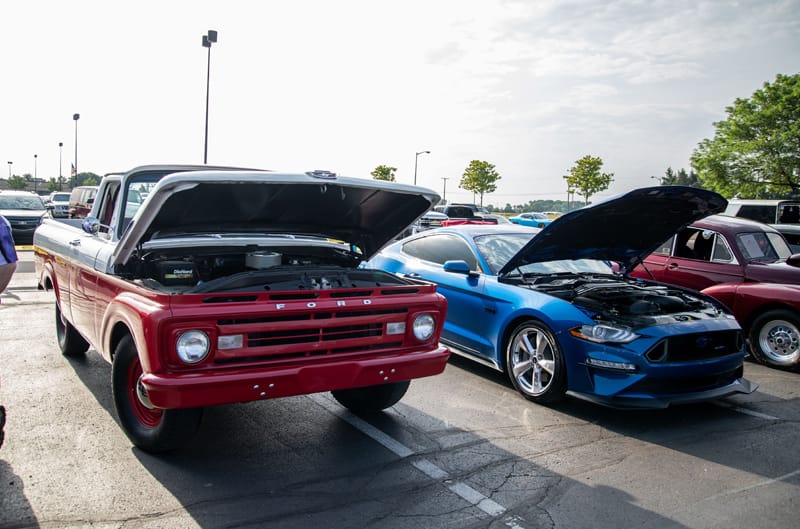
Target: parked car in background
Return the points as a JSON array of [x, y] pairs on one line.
[[80, 201], [58, 204], [749, 267], [536, 220], [24, 211], [546, 307], [783, 215]]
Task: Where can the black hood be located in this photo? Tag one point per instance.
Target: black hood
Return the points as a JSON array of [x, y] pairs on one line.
[[623, 229]]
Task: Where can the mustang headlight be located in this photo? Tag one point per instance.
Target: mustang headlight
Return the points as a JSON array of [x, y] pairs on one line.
[[192, 346], [604, 333], [424, 325]]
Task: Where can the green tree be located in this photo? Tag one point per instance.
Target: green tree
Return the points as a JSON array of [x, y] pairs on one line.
[[755, 151], [52, 185], [681, 178], [586, 179], [384, 172], [479, 178], [17, 182], [87, 179]]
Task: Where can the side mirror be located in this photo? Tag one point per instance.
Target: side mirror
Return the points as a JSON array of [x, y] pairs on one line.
[[458, 267], [794, 260], [91, 225]]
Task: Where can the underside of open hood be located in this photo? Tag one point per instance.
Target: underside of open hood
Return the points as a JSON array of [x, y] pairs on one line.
[[364, 213], [623, 229]]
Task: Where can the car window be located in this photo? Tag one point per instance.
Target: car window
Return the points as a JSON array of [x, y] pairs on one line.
[[32, 202], [694, 243], [666, 247], [761, 246], [761, 213], [441, 248], [722, 252]]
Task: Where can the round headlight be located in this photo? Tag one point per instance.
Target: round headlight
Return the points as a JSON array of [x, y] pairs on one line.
[[192, 346], [424, 325]]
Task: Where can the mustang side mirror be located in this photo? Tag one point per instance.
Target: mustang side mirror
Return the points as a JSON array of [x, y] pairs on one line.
[[794, 260], [458, 267]]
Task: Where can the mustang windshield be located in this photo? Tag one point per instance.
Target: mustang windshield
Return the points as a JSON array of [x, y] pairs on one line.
[[498, 248]]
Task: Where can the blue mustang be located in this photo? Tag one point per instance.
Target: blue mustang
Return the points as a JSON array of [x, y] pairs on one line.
[[555, 309], [535, 220]]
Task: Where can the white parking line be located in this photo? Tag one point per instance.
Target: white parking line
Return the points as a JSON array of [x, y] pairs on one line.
[[459, 488], [746, 411]]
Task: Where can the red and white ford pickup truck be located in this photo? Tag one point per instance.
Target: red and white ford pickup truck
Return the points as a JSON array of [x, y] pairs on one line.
[[206, 286]]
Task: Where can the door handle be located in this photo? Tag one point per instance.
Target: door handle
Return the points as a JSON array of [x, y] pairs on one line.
[[76, 242], [673, 266], [412, 275]]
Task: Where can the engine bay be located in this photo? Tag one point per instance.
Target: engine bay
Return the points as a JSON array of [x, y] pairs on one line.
[[625, 300], [234, 270]]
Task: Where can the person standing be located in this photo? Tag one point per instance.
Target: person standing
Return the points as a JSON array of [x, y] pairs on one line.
[[8, 254]]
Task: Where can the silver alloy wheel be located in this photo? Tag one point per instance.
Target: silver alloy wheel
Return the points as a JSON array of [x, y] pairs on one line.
[[779, 340], [532, 360]]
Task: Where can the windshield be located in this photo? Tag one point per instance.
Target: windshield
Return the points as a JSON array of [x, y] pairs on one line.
[[761, 246], [32, 202], [60, 197], [498, 248]]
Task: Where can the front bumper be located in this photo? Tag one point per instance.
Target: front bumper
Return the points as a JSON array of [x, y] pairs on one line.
[[740, 385], [226, 386]]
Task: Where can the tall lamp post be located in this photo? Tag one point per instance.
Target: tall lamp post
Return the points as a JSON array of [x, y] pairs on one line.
[[208, 39], [9, 169], [416, 157], [444, 190], [35, 171], [60, 177], [74, 180]]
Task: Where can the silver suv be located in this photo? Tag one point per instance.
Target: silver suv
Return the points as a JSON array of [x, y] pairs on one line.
[[783, 215]]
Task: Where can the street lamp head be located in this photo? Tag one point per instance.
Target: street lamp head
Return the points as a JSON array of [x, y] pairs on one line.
[[212, 35], [423, 152], [76, 117], [61, 144]]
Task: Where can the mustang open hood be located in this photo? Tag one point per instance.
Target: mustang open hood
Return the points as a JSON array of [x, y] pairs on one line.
[[623, 229], [366, 213]]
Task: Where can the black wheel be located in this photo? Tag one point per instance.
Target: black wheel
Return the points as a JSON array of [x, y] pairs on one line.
[[535, 363], [371, 399], [151, 429], [775, 339], [70, 341]]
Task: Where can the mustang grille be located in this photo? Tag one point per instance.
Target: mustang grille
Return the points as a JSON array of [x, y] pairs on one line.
[[687, 385], [699, 346]]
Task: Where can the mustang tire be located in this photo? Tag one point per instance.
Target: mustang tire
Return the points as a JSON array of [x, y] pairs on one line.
[[535, 364], [70, 341], [151, 429], [371, 399], [775, 339]]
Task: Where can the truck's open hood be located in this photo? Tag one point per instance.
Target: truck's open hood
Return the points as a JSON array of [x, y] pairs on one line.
[[365, 213], [623, 229]]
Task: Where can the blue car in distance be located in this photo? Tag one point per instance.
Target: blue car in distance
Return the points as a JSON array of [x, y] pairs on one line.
[[535, 220], [555, 309]]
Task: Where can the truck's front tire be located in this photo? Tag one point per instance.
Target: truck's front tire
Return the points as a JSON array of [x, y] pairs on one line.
[[70, 341], [151, 429], [371, 399]]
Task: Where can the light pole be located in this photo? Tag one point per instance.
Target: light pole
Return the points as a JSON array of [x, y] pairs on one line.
[[660, 180], [9, 169], [35, 171], [74, 180], [444, 190], [416, 157], [208, 39], [60, 178]]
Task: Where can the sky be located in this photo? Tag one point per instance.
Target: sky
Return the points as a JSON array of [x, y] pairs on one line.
[[529, 86]]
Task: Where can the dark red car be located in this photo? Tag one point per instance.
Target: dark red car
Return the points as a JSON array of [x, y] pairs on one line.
[[749, 267]]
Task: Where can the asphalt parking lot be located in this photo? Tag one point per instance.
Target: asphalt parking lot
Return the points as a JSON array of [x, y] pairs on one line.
[[461, 450]]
